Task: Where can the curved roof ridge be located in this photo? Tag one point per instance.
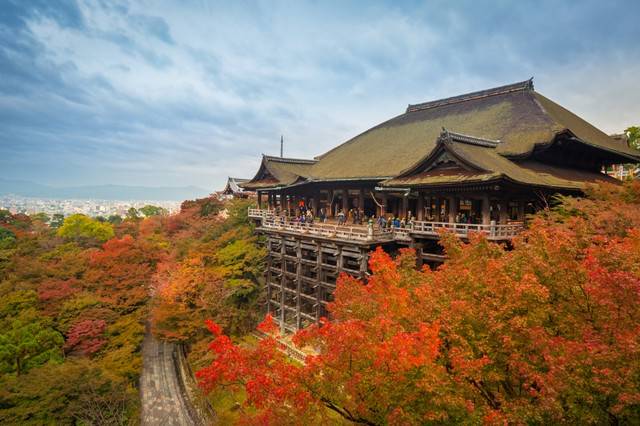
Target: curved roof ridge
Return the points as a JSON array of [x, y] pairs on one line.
[[468, 139], [521, 86], [289, 160]]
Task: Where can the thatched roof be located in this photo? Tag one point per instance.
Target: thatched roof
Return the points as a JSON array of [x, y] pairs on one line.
[[278, 172], [233, 185], [517, 116], [461, 159]]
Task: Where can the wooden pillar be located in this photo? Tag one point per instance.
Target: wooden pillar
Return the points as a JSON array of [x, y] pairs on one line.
[[319, 279], [345, 201], [405, 206], [361, 199], [298, 283], [454, 203], [419, 259], [521, 204], [486, 212], [420, 206], [437, 212], [316, 202], [269, 277], [363, 263], [259, 193], [283, 270], [330, 211], [504, 216], [383, 201]]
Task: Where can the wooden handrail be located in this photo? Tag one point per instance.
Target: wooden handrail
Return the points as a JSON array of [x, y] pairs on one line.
[[366, 233], [493, 230]]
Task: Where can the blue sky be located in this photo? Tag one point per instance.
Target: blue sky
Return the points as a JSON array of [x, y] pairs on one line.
[[188, 92]]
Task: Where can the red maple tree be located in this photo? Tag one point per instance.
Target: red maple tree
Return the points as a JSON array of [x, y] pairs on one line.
[[546, 332]]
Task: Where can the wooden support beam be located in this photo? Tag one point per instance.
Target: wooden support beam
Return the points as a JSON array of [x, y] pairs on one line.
[[486, 210], [298, 284], [330, 211], [504, 214], [319, 279], [364, 261], [383, 201], [454, 203], [268, 279], [521, 204], [282, 284], [420, 206], [316, 202], [345, 201], [405, 207], [259, 194]]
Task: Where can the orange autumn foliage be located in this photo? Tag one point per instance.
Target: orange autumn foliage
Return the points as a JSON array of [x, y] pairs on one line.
[[546, 332]]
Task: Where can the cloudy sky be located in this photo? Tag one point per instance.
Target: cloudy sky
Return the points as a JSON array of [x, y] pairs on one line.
[[188, 92]]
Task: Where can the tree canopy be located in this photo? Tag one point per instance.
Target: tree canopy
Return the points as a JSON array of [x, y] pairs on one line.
[[150, 210], [81, 227], [633, 136], [547, 332]]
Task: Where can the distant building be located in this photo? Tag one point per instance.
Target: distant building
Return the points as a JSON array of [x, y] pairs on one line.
[[233, 190], [623, 171]]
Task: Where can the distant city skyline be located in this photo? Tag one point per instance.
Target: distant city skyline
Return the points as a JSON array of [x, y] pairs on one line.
[[188, 93], [89, 207]]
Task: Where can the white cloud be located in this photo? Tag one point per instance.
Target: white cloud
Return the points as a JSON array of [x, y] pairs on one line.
[[185, 93]]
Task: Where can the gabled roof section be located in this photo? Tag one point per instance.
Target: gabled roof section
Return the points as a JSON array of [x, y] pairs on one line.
[[279, 171], [480, 161], [232, 186], [520, 118], [584, 131], [456, 157]]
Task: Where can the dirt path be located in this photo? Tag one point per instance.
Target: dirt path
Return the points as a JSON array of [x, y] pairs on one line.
[[162, 386]]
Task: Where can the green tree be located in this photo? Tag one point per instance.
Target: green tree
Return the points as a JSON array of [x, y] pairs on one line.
[[76, 392], [81, 228], [57, 220], [5, 216], [150, 210], [633, 136], [115, 219], [7, 238], [27, 343], [133, 214], [40, 217]]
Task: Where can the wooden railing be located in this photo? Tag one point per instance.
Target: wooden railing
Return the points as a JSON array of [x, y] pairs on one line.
[[260, 213], [492, 231], [357, 233]]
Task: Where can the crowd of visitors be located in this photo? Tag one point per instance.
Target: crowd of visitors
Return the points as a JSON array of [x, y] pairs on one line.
[[305, 215]]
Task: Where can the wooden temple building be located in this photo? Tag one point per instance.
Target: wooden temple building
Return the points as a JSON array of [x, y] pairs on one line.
[[232, 189], [478, 162]]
